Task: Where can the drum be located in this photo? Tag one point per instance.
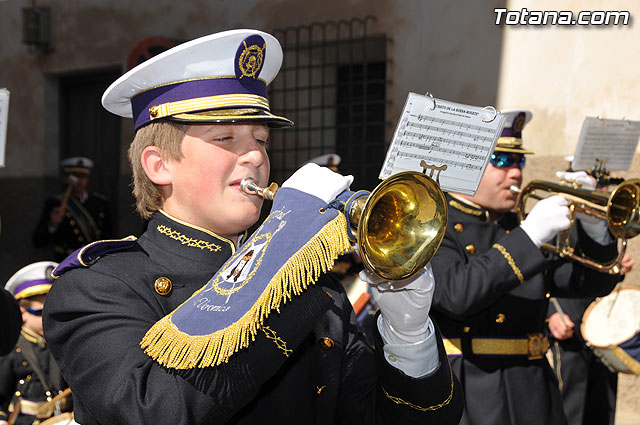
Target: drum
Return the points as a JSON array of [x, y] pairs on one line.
[[611, 328]]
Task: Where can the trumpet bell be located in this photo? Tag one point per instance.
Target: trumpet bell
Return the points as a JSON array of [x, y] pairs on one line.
[[624, 210], [402, 225], [399, 226], [620, 209]]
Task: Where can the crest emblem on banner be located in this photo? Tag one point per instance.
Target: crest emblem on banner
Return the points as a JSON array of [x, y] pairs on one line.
[[298, 242]]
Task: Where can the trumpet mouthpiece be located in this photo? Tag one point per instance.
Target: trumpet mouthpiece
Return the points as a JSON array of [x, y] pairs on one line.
[[514, 189], [249, 185]]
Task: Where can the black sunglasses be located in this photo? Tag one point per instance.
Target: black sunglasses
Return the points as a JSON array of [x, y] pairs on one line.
[[34, 311], [507, 159]]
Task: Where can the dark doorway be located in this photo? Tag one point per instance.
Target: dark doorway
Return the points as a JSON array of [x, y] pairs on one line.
[[87, 129]]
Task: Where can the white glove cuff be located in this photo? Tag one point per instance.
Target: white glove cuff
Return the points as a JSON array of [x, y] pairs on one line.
[[414, 359], [405, 337]]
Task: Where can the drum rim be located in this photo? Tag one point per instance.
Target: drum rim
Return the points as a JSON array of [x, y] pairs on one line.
[[620, 287]]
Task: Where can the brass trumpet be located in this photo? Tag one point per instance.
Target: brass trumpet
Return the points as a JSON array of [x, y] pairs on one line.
[[399, 226], [619, 208]]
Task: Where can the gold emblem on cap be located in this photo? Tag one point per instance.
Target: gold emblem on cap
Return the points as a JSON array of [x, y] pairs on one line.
[[250, 61], [163, 285], [518, 124]]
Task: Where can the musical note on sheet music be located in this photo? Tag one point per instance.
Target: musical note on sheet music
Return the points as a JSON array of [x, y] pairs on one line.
[[444, 133], [611, 141]]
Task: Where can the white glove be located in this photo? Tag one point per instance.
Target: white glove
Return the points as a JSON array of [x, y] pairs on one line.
[[596, 228], [319, 181], [581, 178], [404, 305], [546, 219]]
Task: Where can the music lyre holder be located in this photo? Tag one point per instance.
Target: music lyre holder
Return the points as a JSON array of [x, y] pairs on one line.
[[432, 169], [601, 174]]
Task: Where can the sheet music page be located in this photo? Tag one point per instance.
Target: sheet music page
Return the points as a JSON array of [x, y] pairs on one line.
[[4, 118], [454, 137], [612, 141]]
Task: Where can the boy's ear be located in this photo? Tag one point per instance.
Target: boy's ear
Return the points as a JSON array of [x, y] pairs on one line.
[[155, 167], [23, 313]]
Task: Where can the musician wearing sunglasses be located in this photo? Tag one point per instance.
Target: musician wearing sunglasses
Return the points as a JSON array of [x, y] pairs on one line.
[[196, 322], [494, 284], [29, 376]]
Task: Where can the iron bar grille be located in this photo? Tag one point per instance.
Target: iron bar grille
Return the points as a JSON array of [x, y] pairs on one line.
[[333, 85]]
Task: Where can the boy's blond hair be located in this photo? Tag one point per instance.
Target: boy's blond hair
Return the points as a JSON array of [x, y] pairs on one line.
[[165, 135]]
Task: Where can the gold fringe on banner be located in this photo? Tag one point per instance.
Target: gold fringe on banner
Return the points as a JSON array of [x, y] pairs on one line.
[[172, 348]]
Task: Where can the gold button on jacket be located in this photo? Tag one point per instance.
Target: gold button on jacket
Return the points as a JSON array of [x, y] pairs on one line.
[[163, 285], [471, 249], [326, 343]]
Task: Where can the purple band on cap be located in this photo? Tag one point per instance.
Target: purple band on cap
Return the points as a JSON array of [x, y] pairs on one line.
[[29, 283], [192, 90], [508, 132], [514, 129]]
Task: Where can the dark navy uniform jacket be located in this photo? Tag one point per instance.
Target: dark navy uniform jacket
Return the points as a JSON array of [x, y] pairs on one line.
[[95, 318], [83, 223], [21, 379], [492, 290]]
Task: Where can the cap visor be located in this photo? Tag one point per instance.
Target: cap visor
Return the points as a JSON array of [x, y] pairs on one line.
[[233, 116], [514, 150]]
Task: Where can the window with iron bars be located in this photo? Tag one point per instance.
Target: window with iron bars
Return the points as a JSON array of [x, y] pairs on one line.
[[332, 85]]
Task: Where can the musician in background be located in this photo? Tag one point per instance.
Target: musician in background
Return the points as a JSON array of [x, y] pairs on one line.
[[588, 387], [76, 217], [29, 377], [494, 284], [307, 362]]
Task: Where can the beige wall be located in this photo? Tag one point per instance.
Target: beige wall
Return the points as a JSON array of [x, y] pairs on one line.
[[565, 73]]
